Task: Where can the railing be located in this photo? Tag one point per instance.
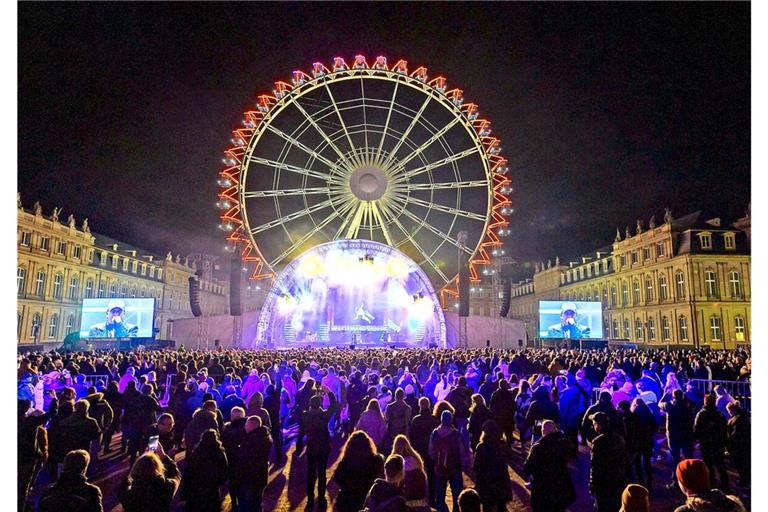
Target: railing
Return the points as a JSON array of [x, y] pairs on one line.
[[98, 380], [740, 390]]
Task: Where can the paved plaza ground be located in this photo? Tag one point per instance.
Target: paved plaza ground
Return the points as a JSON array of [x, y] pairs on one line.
[[287, 483]]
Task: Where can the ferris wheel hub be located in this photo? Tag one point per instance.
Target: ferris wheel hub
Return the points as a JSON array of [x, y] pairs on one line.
[[368, 183]]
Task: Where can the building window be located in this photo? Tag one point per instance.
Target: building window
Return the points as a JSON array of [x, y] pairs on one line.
[[88, 289], [680, 284], [125, 264], [143, 269], [61, 247], [636, 291], [25, 237], [124, 291], [682, 323], [615, 329], [705, 239], [36, 321], [101, 290], [103, 258], [626, 329], [662, 287], [738, 322], [639, 330], [734, 281], [660, 251], [634, 257], [605, 265], [730, 241], [648, 290], [714, 327], [613, 296], [665, 328], [112, 290], [133, 291], [624, 294], [53, 327], [135, 267], [73, 284], [70, 323], [151, 271], [40, 283], [76, 251], [605, 296], [45, 243], [646, 253], [57, 281], [115, 260], [710, 281], [651, 329], [21, 280], [159, 273], [623, 259]]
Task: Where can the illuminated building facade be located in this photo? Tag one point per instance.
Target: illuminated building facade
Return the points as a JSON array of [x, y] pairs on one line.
[[683, 282], [60, 263]]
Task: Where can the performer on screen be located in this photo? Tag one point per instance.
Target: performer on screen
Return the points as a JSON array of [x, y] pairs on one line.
[[362, 314], [569, 326], [114, 326]]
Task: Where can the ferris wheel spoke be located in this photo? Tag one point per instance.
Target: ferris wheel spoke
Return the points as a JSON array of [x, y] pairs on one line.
[[446, 209], [356, 220], [379, 216], [377, 159], [295, 215], [411, 187], [436, 231], [303, 147], [429, 142], [434, 165], [253, 194], [295, 169], [319, 130], [407, 132], [353, 152]]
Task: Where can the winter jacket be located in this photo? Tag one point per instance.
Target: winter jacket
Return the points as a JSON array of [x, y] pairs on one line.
[[492, 481], [552, 489], [374, 425], [152, 495], [251, 462], [711, 429], [398, 417], [679, 421], [422, 426], [72, 493], [385, 497], [712, 501], [608, 464]]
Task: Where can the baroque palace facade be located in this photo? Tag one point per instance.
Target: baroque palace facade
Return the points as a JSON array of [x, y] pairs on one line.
[[683, 282], [60, 264]]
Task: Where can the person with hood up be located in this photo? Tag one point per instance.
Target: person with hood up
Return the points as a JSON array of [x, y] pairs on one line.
[[693, 479]]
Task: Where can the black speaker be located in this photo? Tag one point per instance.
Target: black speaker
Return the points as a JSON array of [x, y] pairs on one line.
[[235, 278], [194, 296], [464, 290], [506, 296]]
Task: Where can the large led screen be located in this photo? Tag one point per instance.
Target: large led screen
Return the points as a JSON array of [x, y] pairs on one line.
[[118, 318], [569, 319]]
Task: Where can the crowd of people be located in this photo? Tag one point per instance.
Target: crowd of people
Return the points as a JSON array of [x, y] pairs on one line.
[[198, 425]]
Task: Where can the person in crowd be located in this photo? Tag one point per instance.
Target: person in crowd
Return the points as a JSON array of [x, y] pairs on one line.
[[448, 451], [231, 436], [72, 492], [421, 429], [607, 475], [249, 477], [723, 398], [115, 400], [711, 430], [272, 405], [414, 484], [152, 483], [492, 480], [679, 426], [385, 494], [460, 397], [80, 429], [230, 400], [552, 488], [605, 405], [635, 498], [442, 388], [469, 501], [694, 480], [641, 439], [206, 472], [203, 419], [31, 446], [163, 429], [397, 416], [479, 414], [503, 408], [359, 466], [315, 422], [542, 408], [739, 442], [256, 408], [573, 404], [373, 422]]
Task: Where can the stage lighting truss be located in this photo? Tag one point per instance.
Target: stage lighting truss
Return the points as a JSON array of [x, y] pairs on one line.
[[368, 151]]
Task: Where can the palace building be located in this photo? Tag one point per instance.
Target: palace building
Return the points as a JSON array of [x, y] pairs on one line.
[[685, 281], [61, 263]]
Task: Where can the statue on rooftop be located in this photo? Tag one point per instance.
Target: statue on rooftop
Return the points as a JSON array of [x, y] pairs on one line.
[[38, 209], [652, 222], [667, 216], [71, 220]]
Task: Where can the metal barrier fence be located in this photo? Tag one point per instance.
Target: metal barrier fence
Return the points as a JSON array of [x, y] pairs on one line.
[[740, 390], [99, 381]]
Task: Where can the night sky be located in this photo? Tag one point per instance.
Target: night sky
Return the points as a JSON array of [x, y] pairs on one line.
[[607, 112]]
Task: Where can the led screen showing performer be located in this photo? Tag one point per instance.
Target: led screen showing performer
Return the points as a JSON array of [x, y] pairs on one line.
[[118, 318], [571, 320]]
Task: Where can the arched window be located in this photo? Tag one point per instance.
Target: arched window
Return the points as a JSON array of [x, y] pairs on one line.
[[613, 296], [624, 294], [710, 283], [626, 329], [605, 296], [680, 284], [714, 327], [639, 330], [734, 281], [682, 324], [101, 290], [57, 280], [665, 331], [21, 280], [53, 327], [36, 321], [89, 289], [70, 323], [40, 283], [74, 283], [615, 326], [648, 290], [738, 322], [112, 290], [636, 291], [651, 328], [662, 287]]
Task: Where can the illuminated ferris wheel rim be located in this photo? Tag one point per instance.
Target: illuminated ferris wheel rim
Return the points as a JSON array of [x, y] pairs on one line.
[[381, 168]]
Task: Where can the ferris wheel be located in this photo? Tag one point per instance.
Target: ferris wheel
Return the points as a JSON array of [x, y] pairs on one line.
[[366, 151]]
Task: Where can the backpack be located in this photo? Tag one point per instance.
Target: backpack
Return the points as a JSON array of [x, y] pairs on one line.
[[448, 455]]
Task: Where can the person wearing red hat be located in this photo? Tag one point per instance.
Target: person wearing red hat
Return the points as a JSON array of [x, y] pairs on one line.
[[693, 479]]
